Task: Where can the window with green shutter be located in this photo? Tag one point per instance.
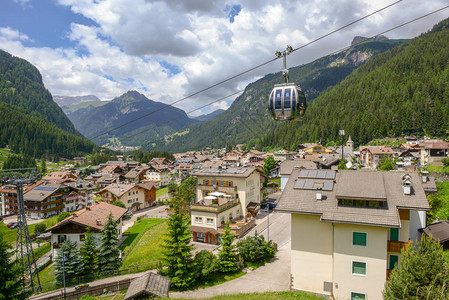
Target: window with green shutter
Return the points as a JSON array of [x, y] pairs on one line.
[[359, 239], [358, 268], [394, 234], [394, 259], [357, 296]]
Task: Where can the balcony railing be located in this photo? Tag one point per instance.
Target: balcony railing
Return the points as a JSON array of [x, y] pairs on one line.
[[395, 246], [219, 188], [238, 227], [215, 208]]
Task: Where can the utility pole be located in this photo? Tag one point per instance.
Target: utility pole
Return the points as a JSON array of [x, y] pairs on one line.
[[24, 249], [342, 134], [268, 221]]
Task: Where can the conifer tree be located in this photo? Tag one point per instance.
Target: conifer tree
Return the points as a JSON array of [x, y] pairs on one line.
[[89, 252], [109, 256], [227, 255], [43, 165], [11, 284], [73, 264], [423, 273], [178, 262]]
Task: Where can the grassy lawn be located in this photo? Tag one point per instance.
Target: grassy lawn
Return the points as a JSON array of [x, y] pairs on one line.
[[9, 235], [47, 278], [216, 279], [432, 168], [44, 247], [439, 202], [149, 247], [277, 180], [267, 296], [138, 227], [161, 191]]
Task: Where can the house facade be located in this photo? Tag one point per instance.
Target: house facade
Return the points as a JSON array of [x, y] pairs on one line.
[[372, 156], [432, 152], [45, 200], [159, 174], [349, 228], [133, 196], [74, 227]]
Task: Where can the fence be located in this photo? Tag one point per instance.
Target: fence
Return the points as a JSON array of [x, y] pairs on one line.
[[92, 290]]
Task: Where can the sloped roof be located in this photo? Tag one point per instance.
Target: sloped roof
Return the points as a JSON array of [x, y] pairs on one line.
[[436, 145], [42, 191], [287, 166], [438, 230], [90, 216], [353, 184], [149, 284], [58, 175], [119, 189]]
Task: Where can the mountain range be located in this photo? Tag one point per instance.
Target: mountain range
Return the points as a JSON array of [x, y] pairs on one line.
[[248, 120]]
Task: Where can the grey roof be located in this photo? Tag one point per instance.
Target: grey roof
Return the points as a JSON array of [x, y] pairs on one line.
[[150, 284], [42, 191], [430, 185], [287, 166], [438, 230], [356, 184], [228, 172]]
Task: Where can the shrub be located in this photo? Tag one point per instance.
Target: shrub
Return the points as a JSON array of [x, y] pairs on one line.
[[39, 228], [206, 263], [64, 215], [255, 249]]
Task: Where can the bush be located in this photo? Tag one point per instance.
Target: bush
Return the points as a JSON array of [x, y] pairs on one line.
[[39, 228], [206, 263], [64, 215], [255, 249], [87, 297]]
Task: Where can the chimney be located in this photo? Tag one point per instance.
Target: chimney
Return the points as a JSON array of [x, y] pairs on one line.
[[407, 184], [424, 178], [99, 222], [319, 194]]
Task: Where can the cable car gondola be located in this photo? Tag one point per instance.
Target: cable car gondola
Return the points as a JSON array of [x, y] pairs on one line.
[[286, 101]]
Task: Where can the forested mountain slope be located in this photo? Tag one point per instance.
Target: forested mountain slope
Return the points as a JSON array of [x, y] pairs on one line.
[[402, 91], [132, 105], [248, 119], [21, 85], [30, 122]]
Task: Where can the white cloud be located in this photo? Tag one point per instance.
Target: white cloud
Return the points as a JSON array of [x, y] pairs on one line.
[[131, 39]]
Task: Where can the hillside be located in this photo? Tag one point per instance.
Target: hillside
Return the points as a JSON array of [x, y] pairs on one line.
[[74, 100], [21, 85], [92, 121], [210, 116], [248, 118], [402, 91], [30, 122], [70, 108]]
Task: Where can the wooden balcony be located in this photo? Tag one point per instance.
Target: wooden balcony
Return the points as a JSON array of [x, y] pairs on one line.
[[395, 246], [215, 208], [219, 188], [239, 227], [388, 273]]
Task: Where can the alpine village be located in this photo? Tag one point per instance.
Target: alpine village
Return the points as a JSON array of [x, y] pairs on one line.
[[326, 178]]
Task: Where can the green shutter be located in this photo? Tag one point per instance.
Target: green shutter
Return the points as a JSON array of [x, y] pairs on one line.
[[359, 239], [394, 234], [394, 259], [358, 296], [359, 268]]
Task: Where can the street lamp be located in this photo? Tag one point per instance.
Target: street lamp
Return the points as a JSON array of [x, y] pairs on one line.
[[341, 132]]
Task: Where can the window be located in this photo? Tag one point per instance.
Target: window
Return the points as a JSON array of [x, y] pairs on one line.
[[199, 220], [358, 268], [61, 238], [359, 239], [230, 216], [394, 259], [357, 296], [129, 193], [287, 98], [394, 234], [278, 99], [210, 221], [130, 200]]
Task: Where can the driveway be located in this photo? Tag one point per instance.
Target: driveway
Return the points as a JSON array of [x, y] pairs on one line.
[[273, 276]]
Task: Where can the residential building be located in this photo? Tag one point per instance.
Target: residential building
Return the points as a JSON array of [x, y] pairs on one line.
[[159, 174], [45, 199], [317, 148], [239, 201], [160, 161], [434, 152], [372, 156], [136, 175], [439, 231], [349, 228], [82, 194], [74, 227], [133, 196], [282, 155], [59, 177], [80, 160]]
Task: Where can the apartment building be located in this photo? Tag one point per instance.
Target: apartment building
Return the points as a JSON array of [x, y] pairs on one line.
[[160, 174], [45, 199], [133, 196], [348, 228]]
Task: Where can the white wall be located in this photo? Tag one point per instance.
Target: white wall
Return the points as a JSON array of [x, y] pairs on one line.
[[417, 221]]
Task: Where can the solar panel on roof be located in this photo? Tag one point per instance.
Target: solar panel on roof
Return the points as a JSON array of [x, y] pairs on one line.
[[328, 186], [45, 188], [321, 174], [312, 174], [330, 174], [309, 184], [303, 173], [299, 184]]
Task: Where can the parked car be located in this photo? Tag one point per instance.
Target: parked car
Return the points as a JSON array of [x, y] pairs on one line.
[[11, 224], [14, 225], [264, 206]]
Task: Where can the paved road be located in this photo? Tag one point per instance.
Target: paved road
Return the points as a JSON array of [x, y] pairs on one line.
[[273, 276]]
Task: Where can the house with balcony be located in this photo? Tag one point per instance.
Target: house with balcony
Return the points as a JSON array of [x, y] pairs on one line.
[[133, 196], [349, 228], [136, 175], [81, 195], [372, 156], [283, 154], [225, 195], [434, 152], [45, 199], [74, 227], [160, 174]]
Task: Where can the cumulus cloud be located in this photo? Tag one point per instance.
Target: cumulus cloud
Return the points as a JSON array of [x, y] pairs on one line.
[[138, 44]]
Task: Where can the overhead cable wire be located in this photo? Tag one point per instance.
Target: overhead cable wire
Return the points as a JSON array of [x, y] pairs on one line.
[[243, 72]]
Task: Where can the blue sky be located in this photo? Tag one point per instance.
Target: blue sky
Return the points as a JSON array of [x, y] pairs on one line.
[[170, 49]]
